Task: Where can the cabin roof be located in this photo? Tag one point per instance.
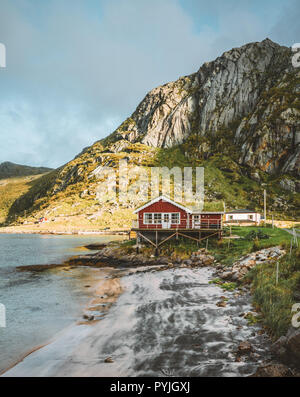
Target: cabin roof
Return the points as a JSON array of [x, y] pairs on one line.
[[207, 212], [164, 198], [168, 200], [242, 211]]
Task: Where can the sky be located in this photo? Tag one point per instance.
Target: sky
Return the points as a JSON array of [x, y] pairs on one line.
[[75, 69]]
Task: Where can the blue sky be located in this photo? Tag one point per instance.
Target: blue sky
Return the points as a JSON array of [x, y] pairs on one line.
[[77, 68]]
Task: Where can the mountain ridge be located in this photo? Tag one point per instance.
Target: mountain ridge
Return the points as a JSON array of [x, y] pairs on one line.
[[11, 170], [238, 116]]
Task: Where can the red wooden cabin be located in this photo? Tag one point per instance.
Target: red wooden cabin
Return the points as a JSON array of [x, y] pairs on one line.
[[164, 213]]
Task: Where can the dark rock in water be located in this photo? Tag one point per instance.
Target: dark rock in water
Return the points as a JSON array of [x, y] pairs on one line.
[[88, 317], [226, 275], [244, 348], [95, 246], [108, 360], [273, 370]]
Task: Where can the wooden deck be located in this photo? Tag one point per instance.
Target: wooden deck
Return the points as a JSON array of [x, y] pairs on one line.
[[157, 237]]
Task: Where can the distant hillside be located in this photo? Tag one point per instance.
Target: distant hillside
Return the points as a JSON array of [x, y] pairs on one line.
[[10, 170], [12, 189]]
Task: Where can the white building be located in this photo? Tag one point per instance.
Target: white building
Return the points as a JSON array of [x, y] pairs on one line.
[[242, 216]]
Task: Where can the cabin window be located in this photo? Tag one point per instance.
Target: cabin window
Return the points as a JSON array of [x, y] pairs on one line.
[[157, 219], [197, 218], [230, 217], [175, 218], [148, 219], [251, 217]]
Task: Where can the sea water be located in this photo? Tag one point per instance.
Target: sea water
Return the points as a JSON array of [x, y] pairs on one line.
[[40, 304]]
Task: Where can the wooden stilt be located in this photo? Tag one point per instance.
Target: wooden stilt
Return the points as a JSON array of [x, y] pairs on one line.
[[137, 243], [166, 239], [147, 239]]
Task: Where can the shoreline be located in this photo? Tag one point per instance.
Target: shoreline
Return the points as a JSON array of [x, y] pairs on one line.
[[99, 287], [19, 230], [116, 264], [104, 290]]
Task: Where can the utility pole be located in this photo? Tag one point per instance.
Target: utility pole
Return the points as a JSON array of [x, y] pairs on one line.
[[265, 206]]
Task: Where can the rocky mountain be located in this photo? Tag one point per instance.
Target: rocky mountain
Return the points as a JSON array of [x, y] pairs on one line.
[[253, 91], [9, 170], [238, 116]]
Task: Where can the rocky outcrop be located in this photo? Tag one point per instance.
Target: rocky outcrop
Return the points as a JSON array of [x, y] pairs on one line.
[[240, 268], [274, 370], [116, 256]]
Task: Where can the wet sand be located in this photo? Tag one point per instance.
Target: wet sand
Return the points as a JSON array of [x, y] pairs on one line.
[[106, 292], [157, 323]]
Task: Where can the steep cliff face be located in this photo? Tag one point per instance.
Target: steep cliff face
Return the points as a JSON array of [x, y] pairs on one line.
[[252, 90]]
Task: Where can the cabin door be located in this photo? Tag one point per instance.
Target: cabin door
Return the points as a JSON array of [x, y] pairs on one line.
[[196, 222], [166, 221]]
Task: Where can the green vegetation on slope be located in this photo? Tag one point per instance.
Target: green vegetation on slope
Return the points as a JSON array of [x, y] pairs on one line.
[[228, 251], [227, 181], [72, 189], [275, 301]]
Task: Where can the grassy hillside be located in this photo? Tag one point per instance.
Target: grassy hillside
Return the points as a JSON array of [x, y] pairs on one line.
[[12, 189], [69, 194]]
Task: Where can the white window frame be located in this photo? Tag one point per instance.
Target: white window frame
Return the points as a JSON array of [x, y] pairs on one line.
[[161, 214], [144, 220], [157, 214], [178, 214]]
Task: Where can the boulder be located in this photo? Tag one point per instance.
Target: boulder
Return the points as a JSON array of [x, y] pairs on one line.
[[279, 347], [273, 370], [244, 348], [226, 275], [293, 342]]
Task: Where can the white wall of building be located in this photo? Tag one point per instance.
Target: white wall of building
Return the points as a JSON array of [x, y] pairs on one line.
[[243, 217]]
